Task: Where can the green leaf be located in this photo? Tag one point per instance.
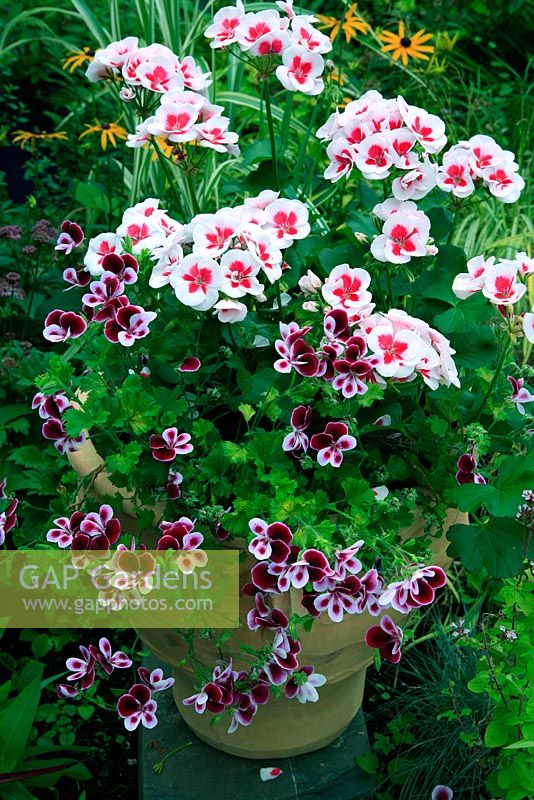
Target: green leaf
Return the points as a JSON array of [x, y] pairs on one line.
[[440, 223], [522, 743], [91, 21], [41, 645], [76, 420], [16, 720], [496, 734], [247, 411], [15, 791], [497, 546], [503, 496], [125, 461], [330, 257], [11, 412], [368, 762], [235, 453]]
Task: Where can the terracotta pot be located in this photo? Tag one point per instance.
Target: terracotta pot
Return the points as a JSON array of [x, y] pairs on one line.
[[282, 728]]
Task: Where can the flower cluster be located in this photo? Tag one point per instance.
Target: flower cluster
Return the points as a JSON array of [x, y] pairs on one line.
[[499, 281], [377, 135], [480, 160], [173, 90], [360, 347], [97, 530], [405, 233], [212, 262], [263, 35], [242, 692], [10, 286], [336, 588], [51, 408], [82, 670], [330, 443], [135, 706], [105, 302]]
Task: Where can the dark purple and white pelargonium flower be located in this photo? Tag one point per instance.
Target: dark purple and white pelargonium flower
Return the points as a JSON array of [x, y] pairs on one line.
[[303, 685], [71, 236], [300, 421], [137, 706], [387, 638], [332, 443], [169, 444], [418, 590]]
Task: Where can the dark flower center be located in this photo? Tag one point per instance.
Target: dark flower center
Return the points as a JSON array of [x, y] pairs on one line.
[[405, 41]]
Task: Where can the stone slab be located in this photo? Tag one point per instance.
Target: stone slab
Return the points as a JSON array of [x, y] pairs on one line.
[[199, 772]]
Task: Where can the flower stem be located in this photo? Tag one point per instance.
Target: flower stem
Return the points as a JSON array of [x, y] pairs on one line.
[[167, 169], [494, 380], [158, 768], [286, 121], [195, 208], [269, 113], [391, 298]]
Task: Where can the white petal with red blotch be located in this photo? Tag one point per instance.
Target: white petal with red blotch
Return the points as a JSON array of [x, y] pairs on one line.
[[269, 773], [528, 326]]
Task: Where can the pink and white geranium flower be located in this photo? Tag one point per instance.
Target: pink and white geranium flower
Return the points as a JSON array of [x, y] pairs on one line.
[[99, 247], [342, 157], [468, 283], [60, 326], [70, 237], [374, 158], [387, 638], [346, 287], [288, 220], [82, 669], [428, 128], [417, 183], [339, 598], [155, 680], [225, 23], [170, 444], [301, 70], [213, 233], [501, 286], [271, 541], [239, 274], [404, 235], [107, 659], [129, 324], [454, 175], [528, 326], [230, 311], [196, 281], [397, 352]]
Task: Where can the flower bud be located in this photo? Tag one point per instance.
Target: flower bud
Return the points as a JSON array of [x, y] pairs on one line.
[[310, 283], [127, 93]]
